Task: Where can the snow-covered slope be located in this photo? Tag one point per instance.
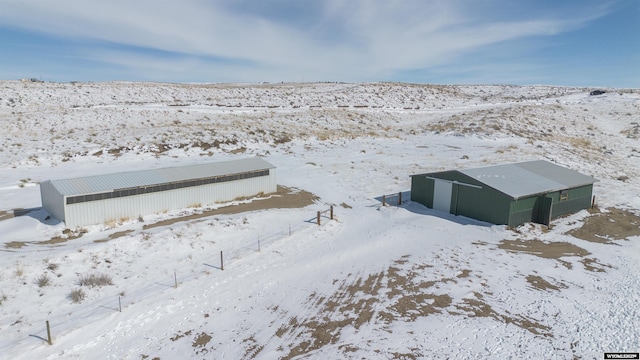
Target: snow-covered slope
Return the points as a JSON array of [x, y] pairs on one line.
[[376, 282]]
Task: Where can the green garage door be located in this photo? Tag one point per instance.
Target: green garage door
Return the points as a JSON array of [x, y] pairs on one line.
[[544, 210]]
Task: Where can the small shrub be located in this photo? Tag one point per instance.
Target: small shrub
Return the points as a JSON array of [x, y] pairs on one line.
[[52, 266], [43, 280], [3, 298], [76, 296], [580, 143], [95, 280]]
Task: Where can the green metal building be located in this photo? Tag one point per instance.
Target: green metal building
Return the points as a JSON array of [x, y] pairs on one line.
[[510, 194]]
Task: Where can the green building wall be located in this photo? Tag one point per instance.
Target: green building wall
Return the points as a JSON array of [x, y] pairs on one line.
[[524, 210], [484, 204], [422, 190], [578, 198], [493, 206]]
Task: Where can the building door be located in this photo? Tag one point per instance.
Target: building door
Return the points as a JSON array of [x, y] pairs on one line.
[[442, 195]]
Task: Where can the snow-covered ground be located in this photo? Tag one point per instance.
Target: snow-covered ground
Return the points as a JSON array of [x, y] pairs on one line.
[[376, 283]]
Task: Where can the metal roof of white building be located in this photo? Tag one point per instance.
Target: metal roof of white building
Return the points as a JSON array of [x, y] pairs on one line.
[[528, 178], [131, 179]]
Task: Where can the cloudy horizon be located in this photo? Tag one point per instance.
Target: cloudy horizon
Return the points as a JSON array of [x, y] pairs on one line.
[[587, 43]]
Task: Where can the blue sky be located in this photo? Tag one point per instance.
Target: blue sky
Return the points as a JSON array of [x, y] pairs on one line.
[[567, 42]]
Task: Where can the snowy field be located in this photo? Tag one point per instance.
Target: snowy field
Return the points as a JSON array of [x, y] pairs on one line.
[[377, 282]]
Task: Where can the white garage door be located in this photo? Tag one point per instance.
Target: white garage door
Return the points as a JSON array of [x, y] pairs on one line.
[[442, 195]]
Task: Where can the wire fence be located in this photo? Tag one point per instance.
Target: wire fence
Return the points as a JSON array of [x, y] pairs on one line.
[[56, 324]]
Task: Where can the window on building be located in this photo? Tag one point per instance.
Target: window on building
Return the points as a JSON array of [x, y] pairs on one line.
[[164, 187], [564, 195]]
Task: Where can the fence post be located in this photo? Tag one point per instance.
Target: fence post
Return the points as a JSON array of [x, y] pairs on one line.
[[119, 303], [221, 261], [400, 198], [175, 279], [331, 212], [593, 201], [318, 218], [49, 334], [384, 200], [258, 243]]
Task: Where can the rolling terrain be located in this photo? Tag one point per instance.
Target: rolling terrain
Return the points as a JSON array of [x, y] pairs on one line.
[[377, 282]]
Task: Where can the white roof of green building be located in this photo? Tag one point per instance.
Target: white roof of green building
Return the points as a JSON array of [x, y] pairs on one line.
[[528, 178], [132, 179]]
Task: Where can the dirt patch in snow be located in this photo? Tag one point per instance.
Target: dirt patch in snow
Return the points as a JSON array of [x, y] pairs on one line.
[[181, 335], [552, 250], [67, 234], [200, 342], [404, 292], [115, 235], [609, 225], [593, 265], [555, 251], [379, 299], [540, 283], [477, 307], [283, 198], [252, 346]]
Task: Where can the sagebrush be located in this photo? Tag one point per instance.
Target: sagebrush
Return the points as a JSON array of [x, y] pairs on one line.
[[77, 295], [43, 280], [95, 280]]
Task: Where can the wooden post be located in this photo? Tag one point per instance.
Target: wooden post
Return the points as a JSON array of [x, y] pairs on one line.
[[318, 218], [400, 198], [221, 261], [258, 243], [119, 303], [289, 229], [384, 200], [593, 201], [49, 334], [331, 212], [175, 279]]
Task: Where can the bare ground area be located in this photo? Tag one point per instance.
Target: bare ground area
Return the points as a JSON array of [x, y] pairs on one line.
[[609, 225], [554, 250], [406, 291], [283, 198], [540, 283], [602, 227]]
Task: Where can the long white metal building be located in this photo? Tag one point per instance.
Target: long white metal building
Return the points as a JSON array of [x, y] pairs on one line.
[[112, 197]]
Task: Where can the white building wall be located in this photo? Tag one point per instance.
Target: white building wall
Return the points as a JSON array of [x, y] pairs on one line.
[[102, 211], [52, 200]]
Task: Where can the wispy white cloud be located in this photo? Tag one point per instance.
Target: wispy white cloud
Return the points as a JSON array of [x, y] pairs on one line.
[[340, 39]]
